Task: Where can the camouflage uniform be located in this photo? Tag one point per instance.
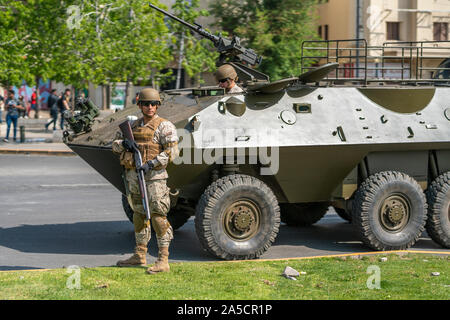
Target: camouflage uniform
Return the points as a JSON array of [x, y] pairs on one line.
[[235, 89], [157, 141]]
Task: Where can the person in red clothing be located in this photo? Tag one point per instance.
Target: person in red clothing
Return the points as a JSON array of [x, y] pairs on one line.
[[34, 105]]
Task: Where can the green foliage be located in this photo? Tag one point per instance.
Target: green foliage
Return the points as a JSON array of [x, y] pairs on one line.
[[114, 41], [106, 41], [274, 29], [197, 55], [12, 55], [81, 41], [27, 37]]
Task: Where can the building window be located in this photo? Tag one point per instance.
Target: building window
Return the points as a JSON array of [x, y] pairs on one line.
[[440, 31], [320, 31], [325, 36], [393, 31]]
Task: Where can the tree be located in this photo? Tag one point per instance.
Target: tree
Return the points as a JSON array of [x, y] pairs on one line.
[[274, 29], [32, 48], [194, 55], [117, 41], [12, 54], [100, 41]]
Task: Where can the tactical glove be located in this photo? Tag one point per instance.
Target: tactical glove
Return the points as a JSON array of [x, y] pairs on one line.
[[146, 167], [130, 146]]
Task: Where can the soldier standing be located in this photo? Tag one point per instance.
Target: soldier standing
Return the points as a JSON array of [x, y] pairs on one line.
[[158, 142], [227, 77]]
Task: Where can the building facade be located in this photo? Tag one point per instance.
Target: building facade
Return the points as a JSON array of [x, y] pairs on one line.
[[379, 21], [391, 28]]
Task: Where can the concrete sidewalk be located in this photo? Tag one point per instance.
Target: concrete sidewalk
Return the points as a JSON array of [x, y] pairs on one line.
[[37, 139], [56, 149]]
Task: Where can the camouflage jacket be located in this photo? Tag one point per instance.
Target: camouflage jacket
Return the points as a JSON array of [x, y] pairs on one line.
[[166, 136]]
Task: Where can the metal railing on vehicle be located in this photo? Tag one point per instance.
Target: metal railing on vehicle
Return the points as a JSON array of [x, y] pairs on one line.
[[404, 62]]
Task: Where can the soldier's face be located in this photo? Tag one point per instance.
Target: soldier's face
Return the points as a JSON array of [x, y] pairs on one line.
[[226, 83], [148, 110]]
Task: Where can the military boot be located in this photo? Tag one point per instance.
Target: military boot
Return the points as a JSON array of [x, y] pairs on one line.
[[162, 263], [137, 259]]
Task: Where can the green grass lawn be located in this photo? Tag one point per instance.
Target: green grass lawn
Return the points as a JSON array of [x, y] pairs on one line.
[[406, 276]]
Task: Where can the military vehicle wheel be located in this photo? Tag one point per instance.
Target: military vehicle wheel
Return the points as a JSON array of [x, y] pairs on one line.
[[438, 222], [389, 211], [177, 216], [303, 214], [237, 217]]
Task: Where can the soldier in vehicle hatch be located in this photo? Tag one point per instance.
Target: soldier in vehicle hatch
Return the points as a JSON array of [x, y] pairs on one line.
[[158, 142], [227, 77]]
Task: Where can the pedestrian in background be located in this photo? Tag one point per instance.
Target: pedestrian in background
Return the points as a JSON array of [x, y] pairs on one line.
[[63, 105], [22, 112], [2, 107], [52, 103], [136, 98], [12, 109], [34, 105]]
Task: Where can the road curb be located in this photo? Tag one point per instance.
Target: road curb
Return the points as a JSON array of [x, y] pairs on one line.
[[355, 254], [38, 152]]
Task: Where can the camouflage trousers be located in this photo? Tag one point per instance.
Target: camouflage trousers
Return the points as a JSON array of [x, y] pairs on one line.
[[159, 205]]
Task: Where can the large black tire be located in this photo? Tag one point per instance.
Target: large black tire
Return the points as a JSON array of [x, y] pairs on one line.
[[389, 211], [303, 214], [177, 216], [237, 218], [438, 222]]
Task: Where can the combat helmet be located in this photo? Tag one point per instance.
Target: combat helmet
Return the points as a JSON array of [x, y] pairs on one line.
[[149, 94], [226, 71]]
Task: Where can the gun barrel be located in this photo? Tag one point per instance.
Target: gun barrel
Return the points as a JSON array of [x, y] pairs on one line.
[[196, 28]]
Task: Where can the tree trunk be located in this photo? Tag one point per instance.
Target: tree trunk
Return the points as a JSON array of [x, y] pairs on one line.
[[72, 96], [104, 97], [127, 102], [180, 62]]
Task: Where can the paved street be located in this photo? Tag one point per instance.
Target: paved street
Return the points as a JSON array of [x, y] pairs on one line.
[[56, 211]]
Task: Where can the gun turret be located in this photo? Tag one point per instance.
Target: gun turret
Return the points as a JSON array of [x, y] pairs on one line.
[[230, 50]]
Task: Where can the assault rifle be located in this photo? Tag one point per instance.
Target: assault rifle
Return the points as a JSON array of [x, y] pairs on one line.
[[227, 48], [125, 127]]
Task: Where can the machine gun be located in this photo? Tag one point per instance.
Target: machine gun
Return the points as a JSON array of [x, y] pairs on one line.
[[82, 118], [229, 49]]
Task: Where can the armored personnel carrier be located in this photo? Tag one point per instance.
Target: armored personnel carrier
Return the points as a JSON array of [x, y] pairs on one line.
[[367, 134]]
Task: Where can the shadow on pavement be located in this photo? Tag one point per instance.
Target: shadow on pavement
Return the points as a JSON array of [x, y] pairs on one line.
[[17, 268], [330, 236], [95, 238]]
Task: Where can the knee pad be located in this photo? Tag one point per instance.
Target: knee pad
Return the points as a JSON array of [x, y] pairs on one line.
[[160, 225], [139, 222]]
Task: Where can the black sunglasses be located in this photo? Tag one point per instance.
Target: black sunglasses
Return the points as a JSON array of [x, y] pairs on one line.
[[224, 80], [150, 103]]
